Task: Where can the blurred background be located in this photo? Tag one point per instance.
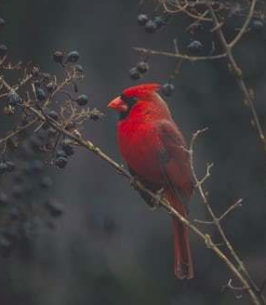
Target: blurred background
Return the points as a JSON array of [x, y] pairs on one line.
[[109, 248]]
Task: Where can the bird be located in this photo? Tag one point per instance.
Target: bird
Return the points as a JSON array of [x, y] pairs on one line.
[[156, 153]]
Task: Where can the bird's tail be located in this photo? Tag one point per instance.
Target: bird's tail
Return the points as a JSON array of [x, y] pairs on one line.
[[183, 265]]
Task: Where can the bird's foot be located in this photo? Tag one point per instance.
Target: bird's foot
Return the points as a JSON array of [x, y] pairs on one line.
[[157, 199], [134, 182]]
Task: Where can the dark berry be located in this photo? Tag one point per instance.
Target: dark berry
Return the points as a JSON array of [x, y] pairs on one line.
[[50, 87], [55, 208], [10, 166], [60, 162], [257, 25], [79, 69], [142, 67], [3, 50], [68, 149], [46, 182], [195, 47], [134, 73], [18, 191], [95, 114], [6, 246], [142, 19], [35, 143], [19, 179], [168, 89], [53, 115], [13, 98], [52, 132], [28, 230], [35, 71], [37, 84], [76, 88], [58, 57], [61, 153], [9, 110], [109, 225], [14, 214], [46, 77], [160, 21], [2, 23], [40, 94], [82, 100], [3, 199], [73, 56], [37, 166], [70, 126], [151, 26]]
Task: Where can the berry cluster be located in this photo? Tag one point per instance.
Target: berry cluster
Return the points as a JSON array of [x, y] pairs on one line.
[[22, 181], [45, 111], [151, 25], [194, 48]]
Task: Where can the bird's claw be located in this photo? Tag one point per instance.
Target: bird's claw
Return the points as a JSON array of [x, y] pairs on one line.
[[134, 182], [157, 199]]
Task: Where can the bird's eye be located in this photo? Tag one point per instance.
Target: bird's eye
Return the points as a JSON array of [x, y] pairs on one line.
[[130, 101]]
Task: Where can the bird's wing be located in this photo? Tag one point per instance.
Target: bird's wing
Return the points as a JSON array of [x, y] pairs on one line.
[[174, 161]]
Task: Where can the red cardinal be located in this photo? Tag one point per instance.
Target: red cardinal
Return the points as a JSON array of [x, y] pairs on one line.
[[155, 151]]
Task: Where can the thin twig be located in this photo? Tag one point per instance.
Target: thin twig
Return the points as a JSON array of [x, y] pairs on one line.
[[178, 55]]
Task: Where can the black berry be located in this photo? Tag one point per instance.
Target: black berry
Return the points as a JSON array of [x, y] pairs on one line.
[[53, 115], [257, 25], [61, 153], [46, 182], [18, 191], [55, 208], [10, 166], [160, 21], [13, 99], [2, 23], [79, 69], [168, 89], [3, 50], [60, 162], [95, 114], [134, 73], [142, 67], [195, 47], [35, 71], [6, 246], [142, 19], [82, 100], [70, 126], [3, 199], [68, 149], [58, 57], [73, 56], [36, 166], [151, 26], [51, 87], [40, 94]]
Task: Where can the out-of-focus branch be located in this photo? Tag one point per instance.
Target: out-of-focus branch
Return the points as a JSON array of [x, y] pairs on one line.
[[217, 220], [18, 130], [178, 55], [237, 71]]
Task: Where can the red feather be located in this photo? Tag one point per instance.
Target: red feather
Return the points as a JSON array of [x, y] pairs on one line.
[[140, 89], [154, 149]]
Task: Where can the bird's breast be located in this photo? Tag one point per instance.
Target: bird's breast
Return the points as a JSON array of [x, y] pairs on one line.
[[140, 147]]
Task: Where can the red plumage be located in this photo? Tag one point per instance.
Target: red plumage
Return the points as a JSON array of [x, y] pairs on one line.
[[155, 151]]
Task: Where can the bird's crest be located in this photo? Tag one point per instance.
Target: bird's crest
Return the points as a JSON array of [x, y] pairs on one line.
[[141, 89]]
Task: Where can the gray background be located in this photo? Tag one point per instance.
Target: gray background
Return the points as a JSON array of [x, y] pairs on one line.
[[109, 248]]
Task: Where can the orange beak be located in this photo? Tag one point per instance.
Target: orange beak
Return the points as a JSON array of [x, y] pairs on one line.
[[118, 104]]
